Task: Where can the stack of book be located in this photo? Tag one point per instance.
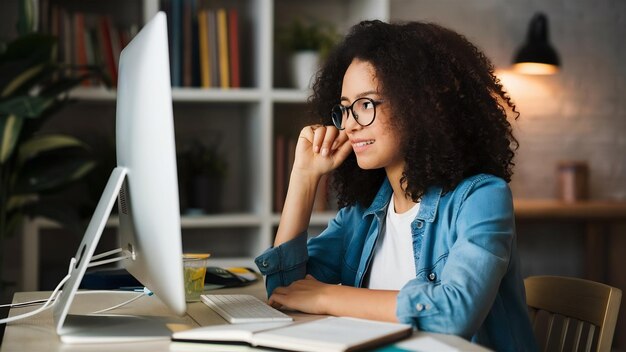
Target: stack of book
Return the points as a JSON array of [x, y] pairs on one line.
[[87, 39], [204, 45]]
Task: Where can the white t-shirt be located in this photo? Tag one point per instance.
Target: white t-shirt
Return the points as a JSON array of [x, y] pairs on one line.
[[393, 264]]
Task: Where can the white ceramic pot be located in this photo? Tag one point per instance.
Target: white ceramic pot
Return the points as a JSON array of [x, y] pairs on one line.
[[304, 65]]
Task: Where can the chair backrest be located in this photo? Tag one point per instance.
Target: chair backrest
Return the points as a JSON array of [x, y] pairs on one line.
[[571, 314]]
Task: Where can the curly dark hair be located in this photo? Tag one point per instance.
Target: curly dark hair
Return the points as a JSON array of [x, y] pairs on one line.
[[448, 106]]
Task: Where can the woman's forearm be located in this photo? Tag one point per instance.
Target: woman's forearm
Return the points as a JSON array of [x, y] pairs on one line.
[[362, 303], [298, 207]]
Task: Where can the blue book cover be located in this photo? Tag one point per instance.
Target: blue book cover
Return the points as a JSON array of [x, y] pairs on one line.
[[176, 39]]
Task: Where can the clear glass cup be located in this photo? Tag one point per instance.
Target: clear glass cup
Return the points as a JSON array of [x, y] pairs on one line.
[[194, 266]]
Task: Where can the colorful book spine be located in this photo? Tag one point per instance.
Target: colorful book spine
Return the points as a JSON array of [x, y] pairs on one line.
[[176, 60], [279, 174], [213, 48], [187, 38], [106, 48], [80, 50], [233, 41], [203, 32], [222, 38]]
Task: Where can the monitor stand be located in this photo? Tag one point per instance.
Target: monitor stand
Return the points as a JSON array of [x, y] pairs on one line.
[[101, 328], [79, 329]]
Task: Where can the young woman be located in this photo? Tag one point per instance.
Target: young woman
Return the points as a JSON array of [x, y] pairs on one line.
[[420, 150]]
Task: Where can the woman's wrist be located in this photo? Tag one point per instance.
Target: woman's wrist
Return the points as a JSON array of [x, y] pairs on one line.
[[305, 176], [328, 299]]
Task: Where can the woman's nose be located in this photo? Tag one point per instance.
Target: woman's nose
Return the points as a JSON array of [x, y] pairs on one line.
[[351, 123]]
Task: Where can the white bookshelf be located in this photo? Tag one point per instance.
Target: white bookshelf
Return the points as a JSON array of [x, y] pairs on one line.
[[252, 219]]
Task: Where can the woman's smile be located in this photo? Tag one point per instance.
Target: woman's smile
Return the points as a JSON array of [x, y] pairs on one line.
[[359, 145]]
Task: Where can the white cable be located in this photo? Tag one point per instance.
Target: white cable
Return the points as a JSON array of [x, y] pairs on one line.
[[106, 254], [120, 305], [107, 261], [144, 292], [50, 299], [41, 301], [24, 304]]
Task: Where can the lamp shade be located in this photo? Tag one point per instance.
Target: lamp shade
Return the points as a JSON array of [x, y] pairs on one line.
[[537, 56]]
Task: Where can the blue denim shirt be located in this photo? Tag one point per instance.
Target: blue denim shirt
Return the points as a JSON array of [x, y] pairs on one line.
[[467, 273]]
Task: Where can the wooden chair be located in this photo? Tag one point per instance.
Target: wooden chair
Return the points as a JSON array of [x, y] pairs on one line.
[[569, 313]]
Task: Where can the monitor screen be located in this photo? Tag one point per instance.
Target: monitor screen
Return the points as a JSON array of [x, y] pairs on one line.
[[148, 205], [145, 180]]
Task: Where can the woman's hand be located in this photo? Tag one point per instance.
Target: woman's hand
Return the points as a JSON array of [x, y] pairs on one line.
[[315, 297], [307, 295], [320, 149]]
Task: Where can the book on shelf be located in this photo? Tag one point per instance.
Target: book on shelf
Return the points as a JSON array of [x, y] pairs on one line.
[[222, 48], [204, 44], [203, 32], [187, 45], [280, 173], [330, 334], [233, 47], [106, 38], [88, 38], [212, 38], [176, 22]]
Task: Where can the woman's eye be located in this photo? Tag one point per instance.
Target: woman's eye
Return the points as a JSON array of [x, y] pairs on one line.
[[366, 105]]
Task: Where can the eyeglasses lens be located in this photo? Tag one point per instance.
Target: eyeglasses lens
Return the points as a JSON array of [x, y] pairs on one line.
[[363, 111]]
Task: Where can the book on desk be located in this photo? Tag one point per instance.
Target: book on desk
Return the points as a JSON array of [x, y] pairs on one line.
[[323, 335]]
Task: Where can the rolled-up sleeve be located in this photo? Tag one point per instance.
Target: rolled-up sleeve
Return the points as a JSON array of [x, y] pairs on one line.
[[284, 264]]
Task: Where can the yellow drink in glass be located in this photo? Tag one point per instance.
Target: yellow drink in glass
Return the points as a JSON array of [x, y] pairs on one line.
[[194, 272]]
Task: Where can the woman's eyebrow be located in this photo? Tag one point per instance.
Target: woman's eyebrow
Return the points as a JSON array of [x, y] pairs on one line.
[[361, 95]]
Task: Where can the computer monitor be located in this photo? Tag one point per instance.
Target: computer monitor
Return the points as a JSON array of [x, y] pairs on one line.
[[146, 181]]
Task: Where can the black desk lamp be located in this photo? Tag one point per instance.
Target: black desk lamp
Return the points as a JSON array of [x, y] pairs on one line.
[[537, 56]]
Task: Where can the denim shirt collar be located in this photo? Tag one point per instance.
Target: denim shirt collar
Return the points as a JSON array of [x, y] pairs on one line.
[[428, 206]]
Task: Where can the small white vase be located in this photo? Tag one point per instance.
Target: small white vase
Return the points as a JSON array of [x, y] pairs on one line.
[[304, 65]]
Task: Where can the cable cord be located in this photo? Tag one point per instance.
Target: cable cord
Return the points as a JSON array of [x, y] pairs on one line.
[[106, 254], [126, 255], [121, 304], [49, 301]]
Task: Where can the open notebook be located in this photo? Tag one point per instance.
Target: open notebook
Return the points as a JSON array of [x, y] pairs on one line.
[[332, 334]]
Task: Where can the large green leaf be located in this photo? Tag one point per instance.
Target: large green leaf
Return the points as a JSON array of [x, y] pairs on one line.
[[21, 57], [46, 143], [10, 127], [21, 79], [26, 18], [51, 173], [19, 201], [26, 106]]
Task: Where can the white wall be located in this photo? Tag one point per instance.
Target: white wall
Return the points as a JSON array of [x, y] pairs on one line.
[[579, 113]]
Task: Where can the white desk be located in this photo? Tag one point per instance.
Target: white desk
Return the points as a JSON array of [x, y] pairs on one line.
[[37, 333]]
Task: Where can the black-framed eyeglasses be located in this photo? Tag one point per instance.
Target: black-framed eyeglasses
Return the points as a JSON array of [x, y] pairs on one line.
[[363, 110]]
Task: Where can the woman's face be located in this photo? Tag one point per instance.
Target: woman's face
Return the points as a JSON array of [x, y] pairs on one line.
[[377, 145]]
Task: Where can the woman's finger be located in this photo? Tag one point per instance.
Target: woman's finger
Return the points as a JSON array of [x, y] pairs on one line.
[[329, 138], [342, 152], [342, 137], [319, 133], [274, 302]]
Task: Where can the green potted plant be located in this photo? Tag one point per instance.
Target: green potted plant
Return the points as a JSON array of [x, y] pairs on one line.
[[32, 164], [307, 42], [202, 172]]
